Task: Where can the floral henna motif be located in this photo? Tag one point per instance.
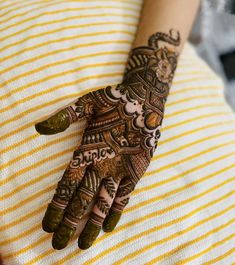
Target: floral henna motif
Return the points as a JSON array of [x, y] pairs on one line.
[[121, 135]]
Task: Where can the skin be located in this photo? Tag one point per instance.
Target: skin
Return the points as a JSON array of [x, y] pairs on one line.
[[122, 131]]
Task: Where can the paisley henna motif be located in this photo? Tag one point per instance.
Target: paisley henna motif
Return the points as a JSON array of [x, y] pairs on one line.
[[123, 128]]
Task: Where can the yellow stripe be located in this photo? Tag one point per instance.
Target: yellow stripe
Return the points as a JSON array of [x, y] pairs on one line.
[[156, 228], [191, 242], [178, 82], [203, 73], [13, 3], [167, 116], [213, 246], [11, 147], [61, 39], [36, 108], [8, 148], [61, 62], [41, 240], [52, 89], [21, 235], [17, 8], [23, 218], [214, 114], [55, 21], [193, 131], [29, 199], [38, 242], [54, 51], [39, 148], [44, 117], [67, 27], [191, 184], [110, 32], [177, 234], [41, 106], [23, 170], [33, 181], [159, 156], [135, 222], [191, 88], [161, 211], [77, 46], [126, 210], [137, 191], [219, 258], [40, 178], [190, 80], [192, 98], [32, 229], [73, 9]]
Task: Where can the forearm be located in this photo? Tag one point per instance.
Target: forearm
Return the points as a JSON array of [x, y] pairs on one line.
[[163, 15]]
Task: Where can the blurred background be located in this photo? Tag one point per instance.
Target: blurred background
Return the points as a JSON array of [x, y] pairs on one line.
[[213, 34]]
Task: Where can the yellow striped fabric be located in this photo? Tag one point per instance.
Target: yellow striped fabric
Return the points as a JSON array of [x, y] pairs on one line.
[[182, 211]]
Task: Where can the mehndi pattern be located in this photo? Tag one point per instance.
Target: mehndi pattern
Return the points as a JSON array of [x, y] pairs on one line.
[[122, 132]]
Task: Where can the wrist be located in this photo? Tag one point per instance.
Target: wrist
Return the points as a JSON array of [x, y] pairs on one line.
[[154, 65]]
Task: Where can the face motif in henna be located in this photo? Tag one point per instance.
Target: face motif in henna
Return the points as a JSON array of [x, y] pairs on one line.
[[123, 128]]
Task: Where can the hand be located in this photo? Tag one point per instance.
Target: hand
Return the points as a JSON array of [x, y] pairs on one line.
[[118, 143]]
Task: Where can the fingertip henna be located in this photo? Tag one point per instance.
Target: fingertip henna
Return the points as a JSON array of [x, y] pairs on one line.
[[52, 219], [111, 220], [62, 236], [55, 124], [89, 234], [118, 143]]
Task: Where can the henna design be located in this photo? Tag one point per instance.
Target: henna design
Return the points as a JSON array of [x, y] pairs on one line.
[[121, 135], [109, 186], [103, 205], [125, 201]]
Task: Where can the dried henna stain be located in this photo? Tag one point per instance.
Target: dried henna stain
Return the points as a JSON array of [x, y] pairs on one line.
[[122, 132]]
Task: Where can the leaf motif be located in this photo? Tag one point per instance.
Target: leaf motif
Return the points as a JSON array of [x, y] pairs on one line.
[[125, 189], [125, 201], [109, 186], [103, 205]]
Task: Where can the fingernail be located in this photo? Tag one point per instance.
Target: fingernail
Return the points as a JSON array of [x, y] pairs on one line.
[[111, 221], [62, 236], [52, 219], [88, 235]]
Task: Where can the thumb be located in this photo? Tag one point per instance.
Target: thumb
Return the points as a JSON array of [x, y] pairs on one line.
[[57, 123], [61, 120]]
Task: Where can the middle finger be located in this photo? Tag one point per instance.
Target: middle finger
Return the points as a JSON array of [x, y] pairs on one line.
[[76, 208]]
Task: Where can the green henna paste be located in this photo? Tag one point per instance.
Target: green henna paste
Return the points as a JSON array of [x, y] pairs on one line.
[[88, 235], [52, 219], [55, 124], [62, 236], [111, 221]]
